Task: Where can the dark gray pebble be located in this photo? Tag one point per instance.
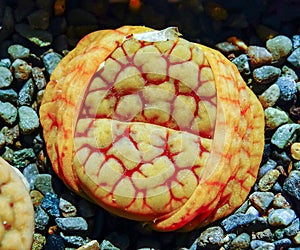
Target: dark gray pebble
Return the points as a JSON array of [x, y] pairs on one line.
[[261, 245], [28, 120], [242, 64], [30, 173], [270, 164], [86, 208], [86, 18], [288, 88], [241, 242], [50, 203], [237, 220], [21, 69], [17, 51], [39, 19], [8, 95], [261, 200], [72, 224], [211, 238], [8, 112], [39, 78], [43, 183], [281, 217], [285, 135], [266, 74], [292, 184], [51, 60], [6, 77], [227, 47], [41, 38], [283, 243], [54, 242], [120, 240], [19, 158], [281, 157], [294, 58], [26, 93], [41, 218]]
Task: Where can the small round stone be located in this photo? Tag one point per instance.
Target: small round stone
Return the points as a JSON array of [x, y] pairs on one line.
[[258, 56], [51, 60], [39, 78], [237, 220], [8, 112], [6, 77], [295, 150], [41, 218], [275, 117], [28, 120], [8, 95], [43, 183], [294, 58], [281, 217], [30, 172], [261, 245], [92, 245], [287, 71], [266, 74], [67, 208], [18, 51], [280, 201], [39, 241], [293, 229], [270, 96], [26, 94], [21, 69], [39, 19], [72, 224], [279, 46], [36, 197], [50, 204]]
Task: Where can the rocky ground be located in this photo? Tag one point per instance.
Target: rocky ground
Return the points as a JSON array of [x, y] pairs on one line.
[[35, 35]]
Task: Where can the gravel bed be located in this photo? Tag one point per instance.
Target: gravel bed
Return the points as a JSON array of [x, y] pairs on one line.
[[34, 38]]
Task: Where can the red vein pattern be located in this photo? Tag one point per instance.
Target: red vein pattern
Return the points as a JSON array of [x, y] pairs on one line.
[[163, 132]]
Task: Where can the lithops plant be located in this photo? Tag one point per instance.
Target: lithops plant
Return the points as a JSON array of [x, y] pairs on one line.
[[16, 210], [153, 127]]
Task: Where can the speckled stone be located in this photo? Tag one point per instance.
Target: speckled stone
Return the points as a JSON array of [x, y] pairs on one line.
[[261, 200], [28, 120], [11, 134], [288, 88], [26, 93], [39, 78], [264, 235], [30, 173], [282, 243], [50, 203], [54, 242], [211, 238], [41, 218], [6, 77], [294, 58], [21, 69], [242, 64], [279, 46], [258, 56], [287, 71], [266, 74], [16, 51], [72, 224], [74, 239], [107, 245], [8, 112], [92, 245], [295, 151], [270, 96], [236, 220], [292, 184], [285, 135], [281, 217], [36, 197], [275, 117], [268, 180], [19, 158], [5, 62], [39, 241]]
